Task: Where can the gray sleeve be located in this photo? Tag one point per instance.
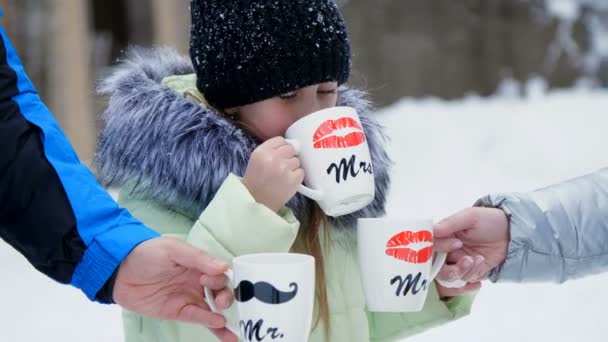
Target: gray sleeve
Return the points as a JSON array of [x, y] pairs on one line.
[[557, 233]]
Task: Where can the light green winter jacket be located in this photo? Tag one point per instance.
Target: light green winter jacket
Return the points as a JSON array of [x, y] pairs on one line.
[[234, 224]]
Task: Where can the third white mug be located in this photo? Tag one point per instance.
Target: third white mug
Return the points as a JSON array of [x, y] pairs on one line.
[[396, 260]]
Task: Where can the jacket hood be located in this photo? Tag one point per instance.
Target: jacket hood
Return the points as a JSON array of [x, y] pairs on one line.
[[178, 152]]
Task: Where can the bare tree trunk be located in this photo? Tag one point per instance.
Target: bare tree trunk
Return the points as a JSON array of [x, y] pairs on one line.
[[139, 14], [171, 23], [8, 20], [71, 85]]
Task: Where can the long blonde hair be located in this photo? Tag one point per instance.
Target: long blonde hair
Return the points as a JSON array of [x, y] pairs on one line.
[[312, 219]]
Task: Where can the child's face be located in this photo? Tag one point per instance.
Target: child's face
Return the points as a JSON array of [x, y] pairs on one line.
[[271, 118]]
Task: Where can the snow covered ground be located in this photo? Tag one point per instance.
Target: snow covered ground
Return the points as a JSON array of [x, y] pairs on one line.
[[447, 154]]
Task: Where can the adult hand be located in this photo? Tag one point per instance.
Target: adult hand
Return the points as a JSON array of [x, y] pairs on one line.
[[164, 277], [484, 233], [448, 282], [448, 292]]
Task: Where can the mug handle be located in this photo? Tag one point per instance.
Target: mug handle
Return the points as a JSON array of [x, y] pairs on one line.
[[210, 298], [439, 261], [316, 195], [440, 258]]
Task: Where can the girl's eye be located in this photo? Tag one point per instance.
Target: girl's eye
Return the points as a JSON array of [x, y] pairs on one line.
[[326, 92], [289, 95]]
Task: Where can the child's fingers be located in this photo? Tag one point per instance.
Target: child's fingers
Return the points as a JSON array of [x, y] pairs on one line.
[[274, 143], [214, 282], [286, 151], [298, 176], [293, 163]]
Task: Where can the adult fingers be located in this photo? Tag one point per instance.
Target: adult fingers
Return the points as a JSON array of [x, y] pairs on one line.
[[452, 292], [460, 221], [191, 257], [446, 244], [456, 271]]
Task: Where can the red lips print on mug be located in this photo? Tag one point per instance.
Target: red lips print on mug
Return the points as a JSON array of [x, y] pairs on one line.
[[400, 246], [396, 262], [327, 135], [333, 150]]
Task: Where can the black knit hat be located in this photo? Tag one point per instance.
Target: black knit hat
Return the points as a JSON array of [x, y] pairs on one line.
[[246, 51]]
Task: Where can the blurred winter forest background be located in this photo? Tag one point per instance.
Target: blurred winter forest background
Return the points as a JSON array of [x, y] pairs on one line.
[[479, 96], [402, 48]]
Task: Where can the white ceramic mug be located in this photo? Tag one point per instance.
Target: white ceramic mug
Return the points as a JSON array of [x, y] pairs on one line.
[[335, 157], [396, 261], [275, 295]]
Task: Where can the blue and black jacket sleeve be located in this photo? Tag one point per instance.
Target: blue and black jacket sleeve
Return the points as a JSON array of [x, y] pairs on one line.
[[52, 210]]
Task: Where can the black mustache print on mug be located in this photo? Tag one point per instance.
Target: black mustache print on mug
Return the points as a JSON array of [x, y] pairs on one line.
[[264, 292]]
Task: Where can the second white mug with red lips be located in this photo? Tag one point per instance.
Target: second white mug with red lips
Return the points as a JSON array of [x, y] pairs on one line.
[[335, 157], [396, 262]]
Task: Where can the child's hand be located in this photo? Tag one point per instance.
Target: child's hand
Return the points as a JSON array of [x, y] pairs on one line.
[[273, 173]]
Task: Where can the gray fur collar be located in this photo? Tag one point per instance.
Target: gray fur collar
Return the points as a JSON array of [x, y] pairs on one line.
[[178, 152]]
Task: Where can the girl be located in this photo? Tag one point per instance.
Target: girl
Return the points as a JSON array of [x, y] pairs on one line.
[[178, 131]]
